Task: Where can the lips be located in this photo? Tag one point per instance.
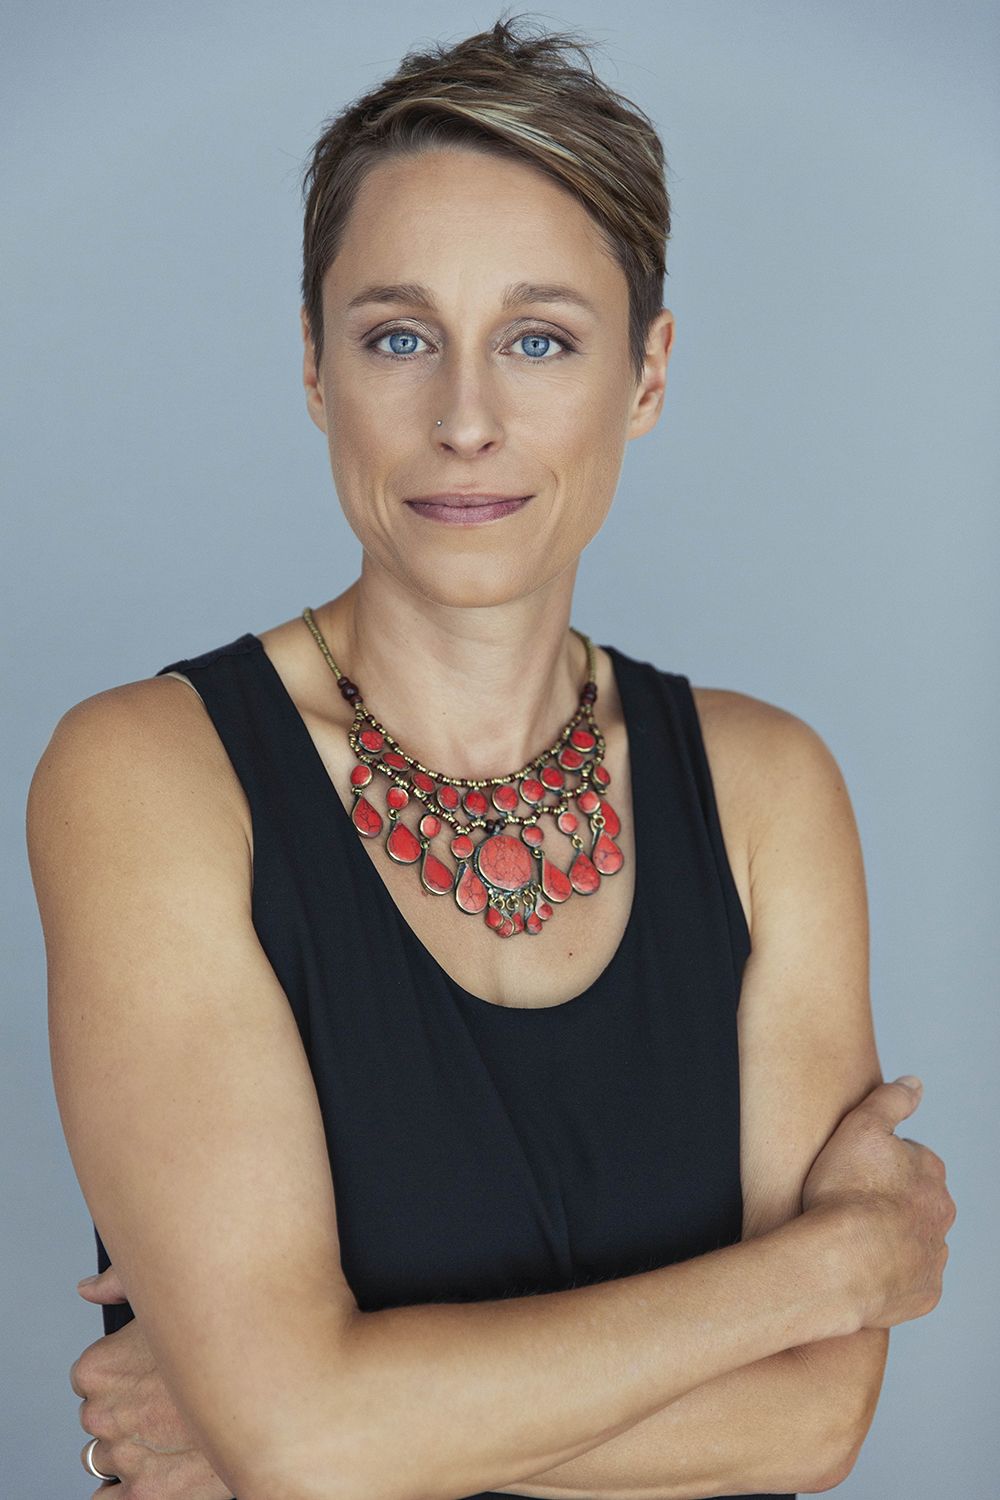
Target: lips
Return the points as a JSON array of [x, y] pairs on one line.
[[466, 510]]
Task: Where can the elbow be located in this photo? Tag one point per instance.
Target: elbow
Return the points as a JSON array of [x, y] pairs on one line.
[[832, 1470], [826, 1476], [846, 1412], [834, 1456], [826, 1465]]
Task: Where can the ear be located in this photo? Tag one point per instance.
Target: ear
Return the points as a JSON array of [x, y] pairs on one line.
[[310, 377], [647, 402]]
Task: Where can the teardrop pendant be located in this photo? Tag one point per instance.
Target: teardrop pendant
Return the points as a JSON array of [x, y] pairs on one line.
[[583, 877], [606, 854], [402, 845], [555, 884], [470, 893], [612, 823], [366, 820], [436, 877]]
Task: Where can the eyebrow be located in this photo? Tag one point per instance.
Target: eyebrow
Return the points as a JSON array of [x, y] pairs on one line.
[[520, 294], [525, 292], [399, 291]]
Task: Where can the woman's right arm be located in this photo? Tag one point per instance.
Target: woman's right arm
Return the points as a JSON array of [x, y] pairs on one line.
[[195, 1130]]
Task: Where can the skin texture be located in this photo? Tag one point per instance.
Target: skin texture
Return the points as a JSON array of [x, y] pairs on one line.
[[185, 1094]]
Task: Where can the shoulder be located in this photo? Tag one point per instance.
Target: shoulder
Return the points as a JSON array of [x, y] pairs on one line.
[[130, 757], [762, 749], [780, 794], [155, 727]]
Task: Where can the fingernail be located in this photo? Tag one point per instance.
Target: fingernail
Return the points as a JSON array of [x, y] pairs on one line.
[[88, 1281], [910, 1081]]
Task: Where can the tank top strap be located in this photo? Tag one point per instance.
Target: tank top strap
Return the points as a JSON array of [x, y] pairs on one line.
[[672, 789], [253, 716]]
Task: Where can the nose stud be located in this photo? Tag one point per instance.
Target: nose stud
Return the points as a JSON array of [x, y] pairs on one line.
[[438, 422]]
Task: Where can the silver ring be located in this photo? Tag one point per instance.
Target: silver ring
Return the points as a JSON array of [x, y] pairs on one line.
[[91, 1467]]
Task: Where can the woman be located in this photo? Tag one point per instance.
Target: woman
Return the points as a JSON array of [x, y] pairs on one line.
[[512, 1190]]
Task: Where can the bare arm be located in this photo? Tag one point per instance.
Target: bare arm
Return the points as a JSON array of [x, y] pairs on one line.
[[159, 993], [777, 1424]]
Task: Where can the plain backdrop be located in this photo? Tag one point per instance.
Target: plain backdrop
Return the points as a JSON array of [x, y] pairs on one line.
[[814, 521]]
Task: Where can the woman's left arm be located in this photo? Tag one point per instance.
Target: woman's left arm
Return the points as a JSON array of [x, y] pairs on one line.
[[795, 1421]]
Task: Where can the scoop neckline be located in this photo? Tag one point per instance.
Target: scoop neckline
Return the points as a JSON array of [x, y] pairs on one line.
[[384, 894]]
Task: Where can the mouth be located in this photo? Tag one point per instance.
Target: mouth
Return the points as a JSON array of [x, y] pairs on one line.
[[466, 510]]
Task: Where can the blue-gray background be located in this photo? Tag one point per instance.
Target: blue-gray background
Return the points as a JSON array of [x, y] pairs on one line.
[[814, 520]]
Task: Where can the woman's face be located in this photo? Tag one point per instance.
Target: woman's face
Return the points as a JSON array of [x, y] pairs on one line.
[[476, 386]]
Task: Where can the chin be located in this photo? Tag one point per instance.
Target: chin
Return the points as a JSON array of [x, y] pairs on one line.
[[476, 582]]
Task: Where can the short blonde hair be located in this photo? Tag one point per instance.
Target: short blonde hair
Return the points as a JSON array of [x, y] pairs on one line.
[[515, 92]]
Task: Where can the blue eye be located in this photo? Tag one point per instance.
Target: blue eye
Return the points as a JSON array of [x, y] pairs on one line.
[[400, 343], [536, 345]]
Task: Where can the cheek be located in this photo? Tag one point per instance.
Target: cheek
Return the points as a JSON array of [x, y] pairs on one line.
[[584, 440], [368, 440]]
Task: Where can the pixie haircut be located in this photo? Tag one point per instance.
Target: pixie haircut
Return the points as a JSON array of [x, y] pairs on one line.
[[514, 92]]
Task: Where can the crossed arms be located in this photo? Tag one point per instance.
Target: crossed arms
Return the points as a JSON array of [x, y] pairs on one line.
[[188, 1104]]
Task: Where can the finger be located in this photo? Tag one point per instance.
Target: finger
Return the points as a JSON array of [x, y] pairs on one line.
[[103, 1289], [929, 1160], [91, 1369], [891, 1103]]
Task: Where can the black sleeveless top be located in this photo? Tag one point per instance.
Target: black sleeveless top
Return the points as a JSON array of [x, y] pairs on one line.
[[480, 1151]]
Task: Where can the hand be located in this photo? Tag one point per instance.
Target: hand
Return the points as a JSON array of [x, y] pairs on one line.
[[144, 1438], [898, 1205]]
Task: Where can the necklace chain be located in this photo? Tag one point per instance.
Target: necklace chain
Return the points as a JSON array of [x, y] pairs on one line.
[[507, 877]]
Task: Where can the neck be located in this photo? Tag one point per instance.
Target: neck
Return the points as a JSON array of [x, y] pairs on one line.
[[471, 692]]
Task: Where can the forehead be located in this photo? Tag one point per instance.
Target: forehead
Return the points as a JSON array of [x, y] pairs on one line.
[[457, 220]]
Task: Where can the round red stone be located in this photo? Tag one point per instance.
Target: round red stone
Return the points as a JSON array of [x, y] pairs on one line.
[[534, 922], [612, 822], [606, 854], [448, 797], [505, 798], [553, 778], [570, 759], [544, 910], [494, 917], [506, 928], [584, 878], [583, 739], [588, 801], [397, 797], [430, 826], [396, 761], [568, 822], [366, 820], [601, 776], [402, 845], [532, 790], [476, 804], [504, 862], [361, 775], [532, 835], [423, 783], [462, 846], [554, 883], [372, 740], [437, 878], [470, 893]]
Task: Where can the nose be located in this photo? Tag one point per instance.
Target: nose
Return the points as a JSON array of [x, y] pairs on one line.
[[467, 422]]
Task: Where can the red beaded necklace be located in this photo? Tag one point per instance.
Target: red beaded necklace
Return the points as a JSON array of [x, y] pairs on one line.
[[497, 839]]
